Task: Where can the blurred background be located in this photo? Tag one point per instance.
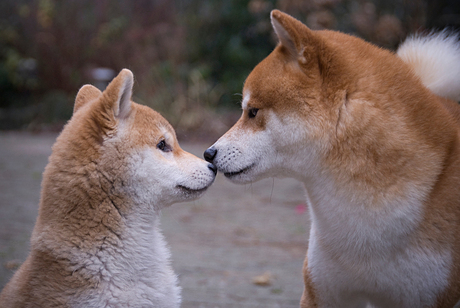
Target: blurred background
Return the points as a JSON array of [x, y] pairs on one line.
[[189, 57]]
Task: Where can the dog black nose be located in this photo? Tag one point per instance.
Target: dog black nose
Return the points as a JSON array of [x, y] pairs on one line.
[[209, 154], [213, 168]]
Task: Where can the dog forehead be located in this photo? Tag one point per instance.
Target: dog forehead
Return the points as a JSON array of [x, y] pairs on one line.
[[274, 83], [150, 125]]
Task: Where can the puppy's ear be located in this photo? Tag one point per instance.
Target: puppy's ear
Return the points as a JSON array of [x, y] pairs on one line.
[[297, 39], [113, 105], [86, 94], [118, 94]]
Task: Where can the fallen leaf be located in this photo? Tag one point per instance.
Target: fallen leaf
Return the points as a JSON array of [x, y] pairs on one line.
[[263, 280]]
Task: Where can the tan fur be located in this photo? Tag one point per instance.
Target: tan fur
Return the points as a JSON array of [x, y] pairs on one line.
[[90, 207], [380, 137], [86, 94]]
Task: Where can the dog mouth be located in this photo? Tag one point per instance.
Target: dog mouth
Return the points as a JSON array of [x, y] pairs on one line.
[[190, 191], [233, 174]]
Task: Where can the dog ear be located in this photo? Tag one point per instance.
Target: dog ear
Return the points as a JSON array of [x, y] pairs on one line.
[[298, 40], [113, 105], [86, 94], [118, 94]]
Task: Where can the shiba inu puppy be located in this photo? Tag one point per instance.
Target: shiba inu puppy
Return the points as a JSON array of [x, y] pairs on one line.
[[375, 139], [97, 242]]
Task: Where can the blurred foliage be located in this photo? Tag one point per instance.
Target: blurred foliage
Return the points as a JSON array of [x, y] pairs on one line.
[[229, 39], [189, 57]]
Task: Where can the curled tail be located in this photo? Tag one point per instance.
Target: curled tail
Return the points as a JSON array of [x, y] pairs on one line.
[[435, 59]]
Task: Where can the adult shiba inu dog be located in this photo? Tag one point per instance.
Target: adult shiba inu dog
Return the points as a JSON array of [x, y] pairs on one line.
[[97, 242], [375, 138]]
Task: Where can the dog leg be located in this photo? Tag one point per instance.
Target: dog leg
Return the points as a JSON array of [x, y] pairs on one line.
[[308, 299]]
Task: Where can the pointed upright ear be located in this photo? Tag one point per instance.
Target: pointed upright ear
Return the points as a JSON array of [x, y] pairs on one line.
[[118, 94], [86, 94], [297, 39]]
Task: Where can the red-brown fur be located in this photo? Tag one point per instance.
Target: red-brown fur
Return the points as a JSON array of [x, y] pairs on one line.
[[382, 138]]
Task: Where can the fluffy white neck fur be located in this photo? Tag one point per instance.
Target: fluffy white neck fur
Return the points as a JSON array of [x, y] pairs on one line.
[[132, 267]]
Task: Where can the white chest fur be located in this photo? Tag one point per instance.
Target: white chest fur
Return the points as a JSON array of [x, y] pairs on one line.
[[134, 273], [360, 255]]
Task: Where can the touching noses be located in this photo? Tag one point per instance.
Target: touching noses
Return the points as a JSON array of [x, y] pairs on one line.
[[212, 168], [209, 154]]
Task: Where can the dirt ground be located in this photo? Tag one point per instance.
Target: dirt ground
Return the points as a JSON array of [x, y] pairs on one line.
[[219, 243]]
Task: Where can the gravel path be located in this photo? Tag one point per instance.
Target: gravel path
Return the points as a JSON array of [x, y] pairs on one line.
[[220, 243]]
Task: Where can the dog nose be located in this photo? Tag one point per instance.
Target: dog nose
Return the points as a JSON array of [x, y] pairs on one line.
[[213, 168], [209, 154]]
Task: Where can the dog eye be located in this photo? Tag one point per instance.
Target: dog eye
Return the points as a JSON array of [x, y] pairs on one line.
[[253, 112], [162, 146]]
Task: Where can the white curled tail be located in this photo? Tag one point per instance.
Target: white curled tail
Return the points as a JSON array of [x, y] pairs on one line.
[[435, 59]]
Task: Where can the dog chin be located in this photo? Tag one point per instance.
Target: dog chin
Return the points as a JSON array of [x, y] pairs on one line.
[[189, 194]]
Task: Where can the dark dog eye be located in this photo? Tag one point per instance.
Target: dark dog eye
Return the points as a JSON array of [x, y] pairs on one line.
[[253, 112], [162, 146]]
